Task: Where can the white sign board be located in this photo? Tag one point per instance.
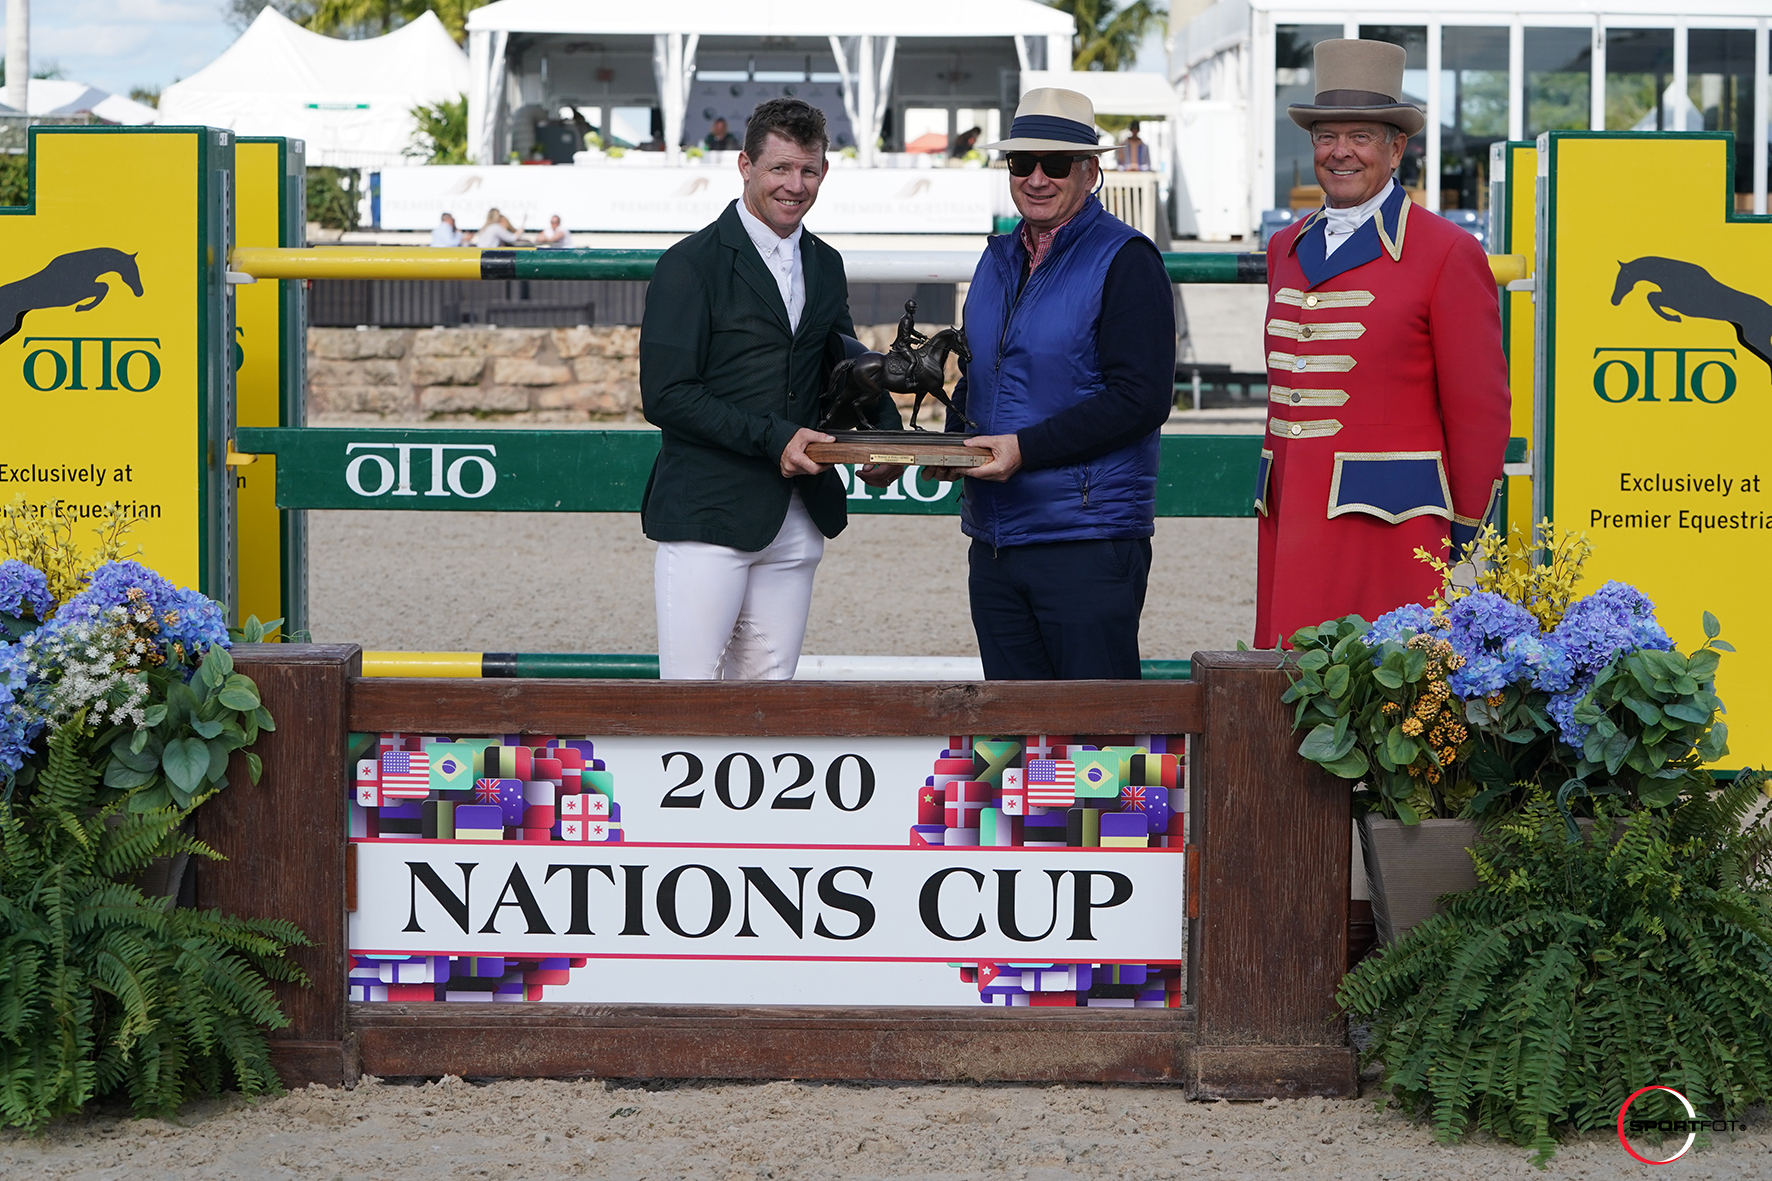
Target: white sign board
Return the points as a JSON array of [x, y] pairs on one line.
[[718, 902], [636, 198]]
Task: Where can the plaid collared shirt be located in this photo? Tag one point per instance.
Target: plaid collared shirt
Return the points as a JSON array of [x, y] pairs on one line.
[[1038, 244]]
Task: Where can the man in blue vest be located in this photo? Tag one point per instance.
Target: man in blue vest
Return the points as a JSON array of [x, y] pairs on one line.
[[1071, 323]]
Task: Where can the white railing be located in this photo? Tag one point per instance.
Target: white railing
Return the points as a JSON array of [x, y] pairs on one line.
[[1132, 197]]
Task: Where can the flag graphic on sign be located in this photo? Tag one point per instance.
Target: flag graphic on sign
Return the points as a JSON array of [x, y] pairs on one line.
[[405, 774], [1051, 783], [452, 766], [486, 791], [1098, 773]]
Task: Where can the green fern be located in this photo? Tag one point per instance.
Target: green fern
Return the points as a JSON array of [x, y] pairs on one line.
[[104, 990], [1579, 971]]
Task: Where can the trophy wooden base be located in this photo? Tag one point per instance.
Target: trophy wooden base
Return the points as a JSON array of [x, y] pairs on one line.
[[922, 448]]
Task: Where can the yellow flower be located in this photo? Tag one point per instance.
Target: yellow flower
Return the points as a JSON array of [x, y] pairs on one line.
[[1412, 726]]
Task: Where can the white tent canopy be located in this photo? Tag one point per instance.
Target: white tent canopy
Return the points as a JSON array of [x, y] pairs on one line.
[[54, 96], [351, 101], [776, 18], [1112, 93], [863, 35]]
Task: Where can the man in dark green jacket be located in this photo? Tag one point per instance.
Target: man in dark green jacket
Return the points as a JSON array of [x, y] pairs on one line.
[[740, 320]]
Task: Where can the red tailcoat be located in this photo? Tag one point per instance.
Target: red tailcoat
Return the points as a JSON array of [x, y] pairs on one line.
[[1388, 415]]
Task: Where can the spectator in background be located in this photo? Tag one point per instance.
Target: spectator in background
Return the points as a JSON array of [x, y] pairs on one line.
[[555, 237], [445, 233], [719, 139], [1133, 155], [966, 142], [497, 231]]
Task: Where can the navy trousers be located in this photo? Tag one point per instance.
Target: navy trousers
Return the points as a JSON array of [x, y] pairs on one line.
[[1061, 611]]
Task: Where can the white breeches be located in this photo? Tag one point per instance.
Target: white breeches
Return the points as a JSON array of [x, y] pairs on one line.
[[727, 614]]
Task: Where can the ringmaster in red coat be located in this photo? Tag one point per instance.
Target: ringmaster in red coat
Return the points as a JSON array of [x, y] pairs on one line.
[[1387, 387]]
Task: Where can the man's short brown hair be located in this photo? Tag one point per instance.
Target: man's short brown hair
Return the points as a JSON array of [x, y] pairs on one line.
[[793, 119]]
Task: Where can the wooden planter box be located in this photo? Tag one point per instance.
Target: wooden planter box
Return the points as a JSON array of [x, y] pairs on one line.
[[1266, 905]]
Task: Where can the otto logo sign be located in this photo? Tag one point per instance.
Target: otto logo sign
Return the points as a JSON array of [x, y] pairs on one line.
[[453, 469], [92, 363], [1679, 291], [1686, 375]]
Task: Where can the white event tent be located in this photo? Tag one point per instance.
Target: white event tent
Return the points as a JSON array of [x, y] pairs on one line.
[[54, 96], [863, 37], [350, 101]]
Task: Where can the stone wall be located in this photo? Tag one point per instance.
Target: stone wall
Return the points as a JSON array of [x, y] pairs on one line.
[[475, 372], [429, 374]]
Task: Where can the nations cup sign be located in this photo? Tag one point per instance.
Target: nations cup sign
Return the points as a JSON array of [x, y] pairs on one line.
[[810, 870]]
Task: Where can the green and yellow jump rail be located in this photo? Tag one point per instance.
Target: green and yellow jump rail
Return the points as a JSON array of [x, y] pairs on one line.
[[427, 262], [594, 666]]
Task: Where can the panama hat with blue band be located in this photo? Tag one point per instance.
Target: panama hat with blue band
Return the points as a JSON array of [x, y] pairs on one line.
[[1052, 120]]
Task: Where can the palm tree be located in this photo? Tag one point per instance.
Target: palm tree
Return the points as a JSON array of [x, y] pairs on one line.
[[1108, 36], [381, 16]]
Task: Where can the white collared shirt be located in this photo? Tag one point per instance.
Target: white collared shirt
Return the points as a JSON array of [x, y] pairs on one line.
[[1340, 224], [781, 257]]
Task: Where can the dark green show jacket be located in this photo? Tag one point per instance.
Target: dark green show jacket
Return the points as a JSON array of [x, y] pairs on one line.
[[728, 384]]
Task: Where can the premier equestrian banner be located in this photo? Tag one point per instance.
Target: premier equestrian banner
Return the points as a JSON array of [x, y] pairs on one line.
[[112, 320], [1655, 389], [996, 869]]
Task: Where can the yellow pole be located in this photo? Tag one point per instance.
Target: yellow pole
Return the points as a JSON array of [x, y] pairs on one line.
[[1508, 268], [421, 664], [358, 262]]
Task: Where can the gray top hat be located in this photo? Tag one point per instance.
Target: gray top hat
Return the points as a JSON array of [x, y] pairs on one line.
[[1359, 81]]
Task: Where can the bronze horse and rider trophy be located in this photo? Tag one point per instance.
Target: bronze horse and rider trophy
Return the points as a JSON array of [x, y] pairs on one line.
[[915, 364]]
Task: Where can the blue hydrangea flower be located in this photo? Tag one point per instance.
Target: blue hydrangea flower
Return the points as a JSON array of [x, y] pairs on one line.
[[16, 732], [24, 589], [185, 616], [1616, 618], [1545, 660], [1562, 711], [1484, 629], [1408, 620]]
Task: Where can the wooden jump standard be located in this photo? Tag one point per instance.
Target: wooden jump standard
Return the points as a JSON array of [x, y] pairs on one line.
[[1268, 879]]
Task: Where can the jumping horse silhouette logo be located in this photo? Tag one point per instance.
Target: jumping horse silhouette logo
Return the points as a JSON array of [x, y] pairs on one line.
[[1687, 289], [68, 279]]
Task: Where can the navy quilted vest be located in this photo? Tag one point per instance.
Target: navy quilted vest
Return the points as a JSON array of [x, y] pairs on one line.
[[1033, 357]]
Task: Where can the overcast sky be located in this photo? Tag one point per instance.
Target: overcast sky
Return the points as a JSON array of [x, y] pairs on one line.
[[119, 44]]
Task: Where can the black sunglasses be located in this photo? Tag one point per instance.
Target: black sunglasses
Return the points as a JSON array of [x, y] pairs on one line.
[[1056, 167]]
